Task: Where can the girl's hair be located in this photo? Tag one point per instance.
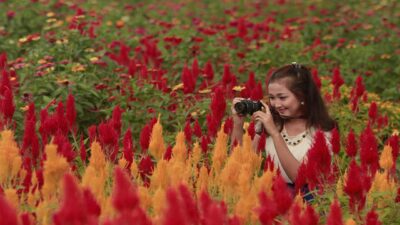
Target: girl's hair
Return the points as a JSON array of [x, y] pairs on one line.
[[299, 81]]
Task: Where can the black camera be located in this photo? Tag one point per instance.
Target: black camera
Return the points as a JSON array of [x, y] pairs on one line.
[[248, 107]]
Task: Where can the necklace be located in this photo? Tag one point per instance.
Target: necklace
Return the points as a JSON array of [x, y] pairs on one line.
[[293, 142]]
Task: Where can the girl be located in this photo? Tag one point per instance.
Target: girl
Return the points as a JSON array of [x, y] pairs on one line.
[[295, 111]]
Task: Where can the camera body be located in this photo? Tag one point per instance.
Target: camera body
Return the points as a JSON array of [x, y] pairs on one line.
[[247, 107]]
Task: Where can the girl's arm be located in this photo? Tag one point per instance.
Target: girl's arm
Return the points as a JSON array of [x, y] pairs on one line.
[[287, 160]]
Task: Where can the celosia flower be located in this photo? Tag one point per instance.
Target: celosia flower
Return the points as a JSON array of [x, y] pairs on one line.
[[145, 135], [8, 106], [197, 129], [208, 71], [372, 218], [157, 145], [30, 144], [212, 124], [218, 104], [146, 167], [188, 80], [125, 197], [351, 144], [74, 207], [373, 113], [335, 141], [10, 160], [188, 132], [386, 160], [8, 214], [128, 147], [369, 151], [281, 194], [267, 210], [356, 186], [337, 82], [335, 214], [54, 169], [116, 119], [195, 69], [219, 151]]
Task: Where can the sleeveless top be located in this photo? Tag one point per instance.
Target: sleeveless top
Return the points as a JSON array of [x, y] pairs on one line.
[[299, 145]]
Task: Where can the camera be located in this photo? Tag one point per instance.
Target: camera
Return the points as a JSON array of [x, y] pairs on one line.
[[248, 107]]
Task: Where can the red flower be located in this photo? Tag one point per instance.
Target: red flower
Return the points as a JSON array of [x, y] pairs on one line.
[[188, 80], [3, 61], [146, 167], [356, 187], [124, 195], [188, 132], [373, 113], [267, 210], [8, 106], [74, 207], [282, 196], [218, 104], [228, 125], [261, 143], [197, 129], [8, 215], [351, 144], [128, 147], [145, 135], [205, 140], [372, 218], [337, 81], [195, 69], [393, 141], [208, 71], [212, 124], [257, 92], [335, 214], [335, 141], [369, 151]]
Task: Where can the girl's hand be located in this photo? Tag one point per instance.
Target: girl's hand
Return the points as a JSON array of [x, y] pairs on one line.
[[237, 119], [266, 119]]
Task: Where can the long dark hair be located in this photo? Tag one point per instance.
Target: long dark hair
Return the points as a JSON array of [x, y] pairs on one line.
[[300, 82]]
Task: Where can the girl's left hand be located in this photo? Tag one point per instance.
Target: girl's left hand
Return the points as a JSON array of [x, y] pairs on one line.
[[266, 119]]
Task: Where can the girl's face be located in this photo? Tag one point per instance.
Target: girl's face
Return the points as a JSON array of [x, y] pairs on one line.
[[283, 100]]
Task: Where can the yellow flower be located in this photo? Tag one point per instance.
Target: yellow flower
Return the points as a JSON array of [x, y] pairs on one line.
[[157, 145], [12, 197], [95, 175], [54, 169], [10, 160], [386, 159], [78, 68], [159, 178], [179, 151], [159, 203], [350, 221], [219, 151], [202, 181]]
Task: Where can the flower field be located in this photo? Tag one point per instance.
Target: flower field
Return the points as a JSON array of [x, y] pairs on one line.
[[118, 112]]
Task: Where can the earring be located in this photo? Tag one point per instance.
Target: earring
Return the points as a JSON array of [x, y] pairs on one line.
[[302, 103]]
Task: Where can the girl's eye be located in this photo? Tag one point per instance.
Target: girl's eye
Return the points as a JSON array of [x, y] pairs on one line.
[[282, 98]]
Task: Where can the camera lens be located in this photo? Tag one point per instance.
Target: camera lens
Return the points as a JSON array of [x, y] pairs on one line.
[[247, 107]]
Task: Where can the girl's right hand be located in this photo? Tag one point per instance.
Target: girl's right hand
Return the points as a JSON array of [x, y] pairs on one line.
[[237, 119]]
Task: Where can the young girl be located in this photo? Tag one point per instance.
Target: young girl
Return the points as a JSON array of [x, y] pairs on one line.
[[295, 111]]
